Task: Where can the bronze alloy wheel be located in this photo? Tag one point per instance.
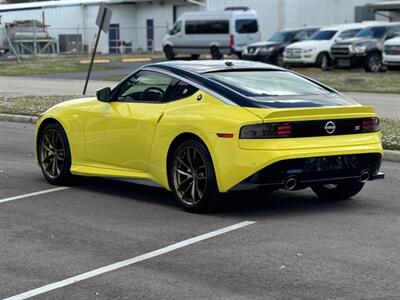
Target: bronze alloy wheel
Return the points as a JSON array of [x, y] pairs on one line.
[[52, 153], [190, 175]]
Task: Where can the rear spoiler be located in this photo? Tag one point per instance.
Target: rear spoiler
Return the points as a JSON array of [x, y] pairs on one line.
[[313, 113]]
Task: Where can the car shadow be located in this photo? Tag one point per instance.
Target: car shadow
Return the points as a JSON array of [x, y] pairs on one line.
[[237, 204]]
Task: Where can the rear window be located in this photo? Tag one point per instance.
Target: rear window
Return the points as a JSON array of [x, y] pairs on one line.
[[207, 27], [324, 35], [246, 26], [267, 83]]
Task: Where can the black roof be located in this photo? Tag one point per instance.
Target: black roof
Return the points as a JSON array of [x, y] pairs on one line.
[[206, 66], [194, 70]]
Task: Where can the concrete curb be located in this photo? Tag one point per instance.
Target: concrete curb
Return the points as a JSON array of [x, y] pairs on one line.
[[390, 155], [18, 118]]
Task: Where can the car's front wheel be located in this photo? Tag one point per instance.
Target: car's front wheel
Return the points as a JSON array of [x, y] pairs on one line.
[[169, 53], [373, 63], [192, 177], [338, 192], [54, 155]]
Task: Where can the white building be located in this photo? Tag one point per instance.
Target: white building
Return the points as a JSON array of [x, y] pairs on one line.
[[141, 24], [135, 24]]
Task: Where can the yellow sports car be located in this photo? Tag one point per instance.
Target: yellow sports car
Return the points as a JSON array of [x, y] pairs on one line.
[[199, 128]]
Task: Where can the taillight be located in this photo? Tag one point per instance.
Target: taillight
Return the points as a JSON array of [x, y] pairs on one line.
[[266, 131], [232, 40], [370, 125]]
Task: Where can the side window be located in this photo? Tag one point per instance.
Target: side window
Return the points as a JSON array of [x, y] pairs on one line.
[[145, 86], [183, 90], [346, 34], [207, 27], [300, 36], [177, 27]]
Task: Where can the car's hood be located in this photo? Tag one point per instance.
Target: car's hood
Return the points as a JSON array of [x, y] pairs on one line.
[[264, 44], [307, 44], [356, 41], [393, 41]]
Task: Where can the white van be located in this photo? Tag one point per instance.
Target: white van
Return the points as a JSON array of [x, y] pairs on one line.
[[214, 32]]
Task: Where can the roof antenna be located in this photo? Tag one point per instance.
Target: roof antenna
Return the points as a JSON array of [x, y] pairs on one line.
[[229, 63]]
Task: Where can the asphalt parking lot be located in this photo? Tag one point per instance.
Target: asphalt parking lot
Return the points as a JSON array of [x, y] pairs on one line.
[[298, 247]]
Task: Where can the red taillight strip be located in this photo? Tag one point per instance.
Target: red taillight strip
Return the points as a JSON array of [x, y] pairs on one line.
[[225, 135]]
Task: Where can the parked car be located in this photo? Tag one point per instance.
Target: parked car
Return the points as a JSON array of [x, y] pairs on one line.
[[214, 32], [365, 49], [391, 53], [271, 50], [199, 128], [316, 50]]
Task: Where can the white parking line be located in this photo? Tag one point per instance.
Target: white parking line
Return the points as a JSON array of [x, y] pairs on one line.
[[33, 194], [124, 263]]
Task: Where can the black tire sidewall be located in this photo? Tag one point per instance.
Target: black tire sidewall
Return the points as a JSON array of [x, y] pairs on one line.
[[320, 58], [215, 53], [65, 176], [342, 191], [169, 53], [367, 66], [207, 202]]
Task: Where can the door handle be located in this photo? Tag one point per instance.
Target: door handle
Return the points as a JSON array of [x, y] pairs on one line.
[[159, 117]]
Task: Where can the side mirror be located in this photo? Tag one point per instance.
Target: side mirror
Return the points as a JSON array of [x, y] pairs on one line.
[[104, 94]]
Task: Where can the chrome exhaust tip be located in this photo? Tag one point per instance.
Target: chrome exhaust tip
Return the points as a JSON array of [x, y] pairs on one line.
[[364, 176], [290, 183]]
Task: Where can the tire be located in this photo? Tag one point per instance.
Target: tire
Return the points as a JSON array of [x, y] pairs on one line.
[[169, 53], [338, 192], [323, 61], [279, 60], [215, 53], [192, 177], [55, 165], [194, 56], [373, 63]]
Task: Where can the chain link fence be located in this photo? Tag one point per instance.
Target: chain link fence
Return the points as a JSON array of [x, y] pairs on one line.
[[36, 41]]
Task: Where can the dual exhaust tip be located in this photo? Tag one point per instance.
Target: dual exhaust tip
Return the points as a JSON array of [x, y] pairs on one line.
[[291, 182]]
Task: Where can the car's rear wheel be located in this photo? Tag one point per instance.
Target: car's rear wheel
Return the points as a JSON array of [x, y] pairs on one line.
[[54, 155], [338, 192], [215, 53], [373, 63], [192, 177]]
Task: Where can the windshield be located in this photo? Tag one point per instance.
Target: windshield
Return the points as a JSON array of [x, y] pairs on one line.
[[267, 83], [282, 36], [323, 35], [372, 32]]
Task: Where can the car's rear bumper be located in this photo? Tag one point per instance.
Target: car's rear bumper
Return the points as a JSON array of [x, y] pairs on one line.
[[235, 164], [304, 172]]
